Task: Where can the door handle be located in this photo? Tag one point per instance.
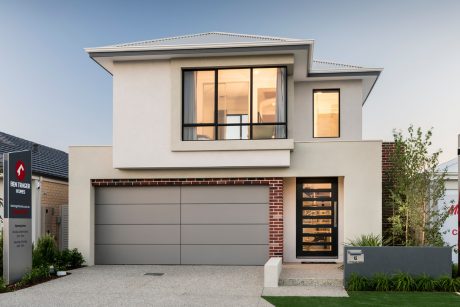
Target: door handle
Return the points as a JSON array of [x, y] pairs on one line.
[[335, 214]]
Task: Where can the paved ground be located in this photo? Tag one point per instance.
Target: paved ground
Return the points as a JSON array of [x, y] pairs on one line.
[[127, 286]]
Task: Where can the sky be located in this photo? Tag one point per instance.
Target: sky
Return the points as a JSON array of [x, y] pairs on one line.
[[52, 93]]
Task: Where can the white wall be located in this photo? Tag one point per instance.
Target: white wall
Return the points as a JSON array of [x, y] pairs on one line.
[[143, 125], [147, 112], [350, 109], [358, 163]]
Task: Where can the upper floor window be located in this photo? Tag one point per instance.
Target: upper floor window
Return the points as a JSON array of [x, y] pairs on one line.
[[234, 104], [326, 113]]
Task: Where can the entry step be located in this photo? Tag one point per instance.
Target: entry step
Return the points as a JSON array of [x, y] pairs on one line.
[[325, 291], [311, 282]]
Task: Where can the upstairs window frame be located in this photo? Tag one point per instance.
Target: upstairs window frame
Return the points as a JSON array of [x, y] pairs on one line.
[[330, 90], [251, 124]]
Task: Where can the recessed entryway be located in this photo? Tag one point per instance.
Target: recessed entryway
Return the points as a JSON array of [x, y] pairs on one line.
[[317, 218]]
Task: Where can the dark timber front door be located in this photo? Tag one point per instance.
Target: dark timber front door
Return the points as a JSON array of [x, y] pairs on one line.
[[317, 217]]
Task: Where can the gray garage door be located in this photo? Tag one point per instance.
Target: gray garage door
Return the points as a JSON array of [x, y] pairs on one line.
[[182, 225]]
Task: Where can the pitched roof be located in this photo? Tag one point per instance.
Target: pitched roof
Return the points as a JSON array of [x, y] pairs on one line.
[[207, 38], [46, 161], [227, 44], [226, 39]]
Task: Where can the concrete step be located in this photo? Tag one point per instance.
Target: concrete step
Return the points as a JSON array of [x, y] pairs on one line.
[[324, 291], [311, 282]]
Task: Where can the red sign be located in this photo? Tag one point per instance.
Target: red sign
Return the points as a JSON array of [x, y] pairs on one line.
[[20, 170]]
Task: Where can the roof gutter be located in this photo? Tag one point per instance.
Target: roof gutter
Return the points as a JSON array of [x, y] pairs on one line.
[[194, 46], [343, 73]]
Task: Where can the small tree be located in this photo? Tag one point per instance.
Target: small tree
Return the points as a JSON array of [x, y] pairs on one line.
[[417, 187]]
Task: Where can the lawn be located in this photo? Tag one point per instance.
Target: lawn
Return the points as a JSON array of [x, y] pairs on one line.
[[392, 299]]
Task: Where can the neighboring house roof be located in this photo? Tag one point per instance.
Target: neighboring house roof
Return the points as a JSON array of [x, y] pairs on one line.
[[451, 166], [46, 161]]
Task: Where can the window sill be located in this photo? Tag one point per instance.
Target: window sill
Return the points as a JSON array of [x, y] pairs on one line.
[[233, 145]]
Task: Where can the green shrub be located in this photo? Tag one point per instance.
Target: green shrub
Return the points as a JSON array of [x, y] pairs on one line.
[[76, 259], [34, 276], [366, 240], [447, 284], [455, 272], [2, 285], [69, 259], [425, 283], [381, 282], [63, 260], [45, 252], [357, 283], [403, 282]]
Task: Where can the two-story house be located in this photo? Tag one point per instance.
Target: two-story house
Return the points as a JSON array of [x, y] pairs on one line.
[[227, 149]]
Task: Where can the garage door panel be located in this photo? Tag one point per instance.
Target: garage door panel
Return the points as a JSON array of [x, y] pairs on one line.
[[224, 214], [224, 254], [137, 234], [224, 234], [138, 214], [224, 194], [137, 195], [216, 225], [137, 254]]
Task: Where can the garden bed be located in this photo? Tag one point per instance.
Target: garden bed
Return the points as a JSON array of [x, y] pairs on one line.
[[47, 262], [18, 286]]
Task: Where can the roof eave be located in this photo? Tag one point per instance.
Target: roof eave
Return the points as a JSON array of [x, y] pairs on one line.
[[369, 74], [345, 72], [93, 50]]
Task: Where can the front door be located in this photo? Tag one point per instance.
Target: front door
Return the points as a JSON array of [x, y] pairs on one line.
[[317, 218]]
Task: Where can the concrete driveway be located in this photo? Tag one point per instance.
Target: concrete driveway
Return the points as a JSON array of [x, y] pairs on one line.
[[126, 285]]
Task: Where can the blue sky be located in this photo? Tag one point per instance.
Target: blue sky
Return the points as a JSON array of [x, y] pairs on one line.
[[52, 93]]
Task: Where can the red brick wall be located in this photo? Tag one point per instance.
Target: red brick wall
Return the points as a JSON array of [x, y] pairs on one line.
[[387, 210], [275, 199]]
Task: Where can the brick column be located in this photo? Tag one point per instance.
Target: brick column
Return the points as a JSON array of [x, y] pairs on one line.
[[387, 209], [276, 226]]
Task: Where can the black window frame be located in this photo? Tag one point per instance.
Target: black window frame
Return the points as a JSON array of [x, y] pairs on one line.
[[313, 113], [216, 124]]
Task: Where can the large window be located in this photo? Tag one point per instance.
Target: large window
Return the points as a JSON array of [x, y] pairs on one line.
[[234, 104], [326, 113]]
